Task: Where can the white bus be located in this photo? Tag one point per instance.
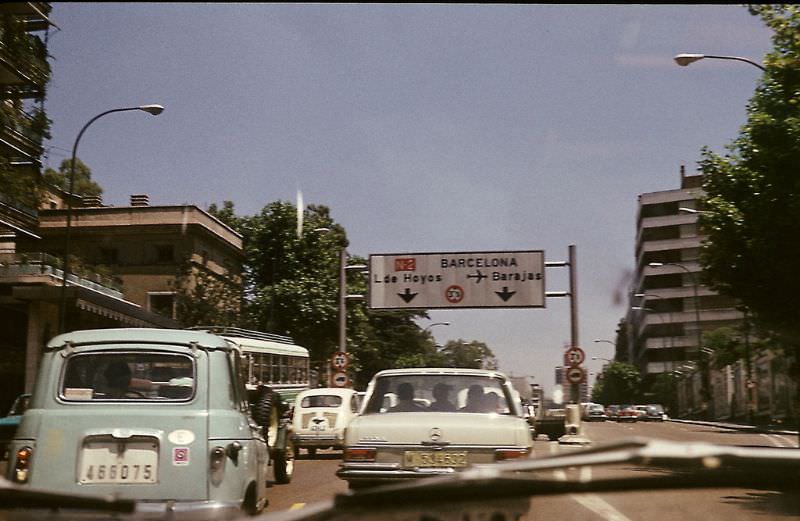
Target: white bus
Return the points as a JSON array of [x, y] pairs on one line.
[[270, 360]]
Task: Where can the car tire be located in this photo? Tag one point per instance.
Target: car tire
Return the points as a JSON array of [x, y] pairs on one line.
[[266, 413], [284, 464]]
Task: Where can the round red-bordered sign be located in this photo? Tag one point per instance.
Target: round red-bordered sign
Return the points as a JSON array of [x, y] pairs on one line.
[[575, 375], [454, 294]]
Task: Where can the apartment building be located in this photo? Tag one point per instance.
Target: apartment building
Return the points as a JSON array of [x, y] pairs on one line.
[[670, 307], [24, 74]]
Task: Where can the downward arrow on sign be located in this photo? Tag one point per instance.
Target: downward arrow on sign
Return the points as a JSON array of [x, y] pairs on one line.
[[407, 296], [505, 294]]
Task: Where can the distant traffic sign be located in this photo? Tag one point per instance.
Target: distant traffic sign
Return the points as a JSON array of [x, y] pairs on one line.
[[339, 360], [508, 279], [340, 379], [575, 375], [574, 356]]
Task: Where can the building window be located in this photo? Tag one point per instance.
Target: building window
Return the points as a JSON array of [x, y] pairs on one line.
[[162, 303], [165, 253]]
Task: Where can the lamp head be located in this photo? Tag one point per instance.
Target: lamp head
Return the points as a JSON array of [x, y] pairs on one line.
[[685, 59], [155, 110]]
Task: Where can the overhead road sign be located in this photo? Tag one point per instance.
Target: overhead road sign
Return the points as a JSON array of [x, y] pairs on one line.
[[506, 279]]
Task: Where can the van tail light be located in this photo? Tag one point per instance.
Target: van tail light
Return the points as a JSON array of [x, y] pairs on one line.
[[22, 464], [359, 454], [507, 454]]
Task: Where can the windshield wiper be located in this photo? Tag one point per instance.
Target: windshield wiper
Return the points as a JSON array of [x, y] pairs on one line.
[[691, 465], [13, 496]]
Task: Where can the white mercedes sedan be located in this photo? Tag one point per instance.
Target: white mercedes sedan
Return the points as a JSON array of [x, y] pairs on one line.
[[432, 421]]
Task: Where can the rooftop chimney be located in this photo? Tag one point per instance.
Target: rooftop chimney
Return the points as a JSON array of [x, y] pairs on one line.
[[140, 200]]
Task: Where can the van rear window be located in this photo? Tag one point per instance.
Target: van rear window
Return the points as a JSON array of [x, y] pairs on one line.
[[128, 376]]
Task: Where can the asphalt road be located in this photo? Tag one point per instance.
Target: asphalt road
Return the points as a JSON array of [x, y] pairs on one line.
[[314, 480]]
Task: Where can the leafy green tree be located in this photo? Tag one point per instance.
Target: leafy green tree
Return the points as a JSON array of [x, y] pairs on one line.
[[620, 384], [752, 202], [204, 299], [84, 185], [476, 355]]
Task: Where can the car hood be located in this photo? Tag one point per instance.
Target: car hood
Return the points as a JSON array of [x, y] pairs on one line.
[[453, 428]]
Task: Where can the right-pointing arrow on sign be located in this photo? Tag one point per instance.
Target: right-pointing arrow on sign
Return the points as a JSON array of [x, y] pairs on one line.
[[407, 296], [505, 294]]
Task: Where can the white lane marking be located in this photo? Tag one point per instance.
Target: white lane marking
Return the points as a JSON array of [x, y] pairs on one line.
[[779, 440], [591, 502], [597, 505]]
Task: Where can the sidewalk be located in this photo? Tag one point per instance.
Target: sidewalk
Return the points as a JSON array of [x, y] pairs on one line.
[[766, 429]]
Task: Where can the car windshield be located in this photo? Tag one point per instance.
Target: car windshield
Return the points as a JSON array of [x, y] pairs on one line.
[[438, 393], [128, 376]]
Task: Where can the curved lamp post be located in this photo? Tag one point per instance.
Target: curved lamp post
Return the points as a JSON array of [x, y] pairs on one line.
[[428, 328], [153, 109], [685, 59], [706, 391]]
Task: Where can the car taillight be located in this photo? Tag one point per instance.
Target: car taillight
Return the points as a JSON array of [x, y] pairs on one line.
[[358, 454], [506, 454], [22, 463], [217, 458]]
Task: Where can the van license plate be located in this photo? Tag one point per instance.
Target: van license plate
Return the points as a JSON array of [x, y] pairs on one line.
[[119, 462], [435, 459]]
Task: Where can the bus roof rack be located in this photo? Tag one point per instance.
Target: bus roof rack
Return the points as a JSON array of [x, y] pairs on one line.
[[244, 333]]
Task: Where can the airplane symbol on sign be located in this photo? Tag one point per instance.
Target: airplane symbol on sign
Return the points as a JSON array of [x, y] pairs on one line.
[[480, 276]]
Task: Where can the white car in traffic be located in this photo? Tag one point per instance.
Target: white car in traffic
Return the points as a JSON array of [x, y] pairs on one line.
[[432, 421], [320, 417]]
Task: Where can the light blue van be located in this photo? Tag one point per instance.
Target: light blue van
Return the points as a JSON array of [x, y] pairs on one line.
[[156, 415]]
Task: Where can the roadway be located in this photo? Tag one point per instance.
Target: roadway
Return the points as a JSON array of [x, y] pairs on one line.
[[314, 480]]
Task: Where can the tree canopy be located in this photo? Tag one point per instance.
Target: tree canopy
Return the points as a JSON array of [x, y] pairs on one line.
[[752, 203], [84, 185]]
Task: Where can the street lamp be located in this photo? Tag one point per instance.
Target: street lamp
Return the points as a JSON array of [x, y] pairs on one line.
[[152, 109], [685, 59], [428, 328], [705, 380]]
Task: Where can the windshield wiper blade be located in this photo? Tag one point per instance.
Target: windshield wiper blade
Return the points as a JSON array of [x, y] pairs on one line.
[[696, 465], [13, 496]]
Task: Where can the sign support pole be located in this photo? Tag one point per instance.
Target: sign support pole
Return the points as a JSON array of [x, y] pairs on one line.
[[573, 312]]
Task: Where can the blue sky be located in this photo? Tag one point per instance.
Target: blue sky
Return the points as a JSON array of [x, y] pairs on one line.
[[425, 128]]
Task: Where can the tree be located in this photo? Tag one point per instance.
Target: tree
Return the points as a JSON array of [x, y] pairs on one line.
[[84, 186], [752, 201], [204, 299], [459, 353], [620, 384]]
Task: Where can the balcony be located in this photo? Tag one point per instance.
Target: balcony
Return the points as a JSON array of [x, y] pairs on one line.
[[24, 70], [18, 217], [21, 134], [17, 268]]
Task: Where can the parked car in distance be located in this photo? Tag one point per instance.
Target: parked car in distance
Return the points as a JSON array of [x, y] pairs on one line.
[[651, 413], [612, 411], [594, 412], [320, 417], [659, 409], [627, 413], [159, 416], [472, 416]]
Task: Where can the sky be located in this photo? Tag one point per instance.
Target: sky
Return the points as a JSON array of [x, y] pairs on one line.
[[423, 127]]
